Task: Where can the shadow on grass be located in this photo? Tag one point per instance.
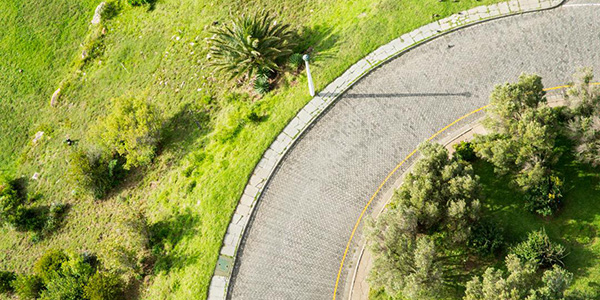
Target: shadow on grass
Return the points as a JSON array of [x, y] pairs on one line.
[[164, 237], [319, 41], [183, 129]]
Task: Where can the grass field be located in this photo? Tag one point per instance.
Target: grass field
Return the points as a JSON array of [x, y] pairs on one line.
[[575, 225], [184, 201]]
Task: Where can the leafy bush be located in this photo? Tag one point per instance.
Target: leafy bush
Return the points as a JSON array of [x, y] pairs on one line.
[[28, 286], [295, 61], [95, 171], [262, 85], [6, 279], [131, 130], [249, 44], [465, 151], [556, 282], [585, 131], [545, 197], [522, 131], [50, 264], [538, 249], [112, 9], [10, 202], [63, 288], [104, 286], [487, 238], [14, 212], [30, 219], [55, 216], [494, 284]]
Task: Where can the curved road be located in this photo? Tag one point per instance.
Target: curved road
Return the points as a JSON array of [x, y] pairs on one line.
[[294, 244]]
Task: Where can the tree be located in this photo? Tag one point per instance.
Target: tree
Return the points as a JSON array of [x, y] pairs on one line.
[[522, 131], [96, 171], [584, 127], [493, 285], [540, 250], [556, 282], [582, 97], [431, 212], [131, 130], [250, 44], [104, 286], [441, 191], [412, 268]]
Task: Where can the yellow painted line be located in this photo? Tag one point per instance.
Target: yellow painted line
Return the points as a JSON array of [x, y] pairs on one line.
[[557, 87], [362, 213]]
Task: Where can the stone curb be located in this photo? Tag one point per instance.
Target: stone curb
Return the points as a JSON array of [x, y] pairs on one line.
[[310, 112]]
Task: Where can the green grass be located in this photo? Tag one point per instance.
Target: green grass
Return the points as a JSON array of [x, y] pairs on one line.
[[186, 198], [575, 225]]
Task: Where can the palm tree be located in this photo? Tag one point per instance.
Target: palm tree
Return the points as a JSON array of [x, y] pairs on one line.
[[250, 44]]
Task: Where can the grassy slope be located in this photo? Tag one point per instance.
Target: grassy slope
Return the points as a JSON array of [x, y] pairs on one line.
[[190, 192], [576, 225]]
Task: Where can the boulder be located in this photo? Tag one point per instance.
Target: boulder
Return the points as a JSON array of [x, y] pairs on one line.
[[38, 136], [54, 99], [98, 13]]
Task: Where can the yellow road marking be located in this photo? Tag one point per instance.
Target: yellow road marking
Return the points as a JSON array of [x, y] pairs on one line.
[[362, 213]]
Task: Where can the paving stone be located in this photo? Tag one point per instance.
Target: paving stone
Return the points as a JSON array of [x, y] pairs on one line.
[[250, 191], [304, 116], [503, 8], [243, 210], [407, 37], [234, 228], [247, 200], [514, 6], [236, 218], [228, 250], [317, 101], [401, 44]]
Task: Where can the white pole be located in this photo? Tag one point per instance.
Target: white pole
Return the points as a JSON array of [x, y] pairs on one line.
[[311, 86]]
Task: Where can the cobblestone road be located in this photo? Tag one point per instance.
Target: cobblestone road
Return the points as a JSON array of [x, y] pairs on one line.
[[294, 244]]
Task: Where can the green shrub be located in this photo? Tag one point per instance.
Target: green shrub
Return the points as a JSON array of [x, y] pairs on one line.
[[295, 61], [10, 202], [55, 216], [131, 130], [538, 249], [111, 10], [138, 2], [487, 238], [30, 219], [249, 44], [465, 151], [262, 85], [28, 286], [96, 172], [63, 288], [50, 264], [545, 197], [104, 286], [6, 279]]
